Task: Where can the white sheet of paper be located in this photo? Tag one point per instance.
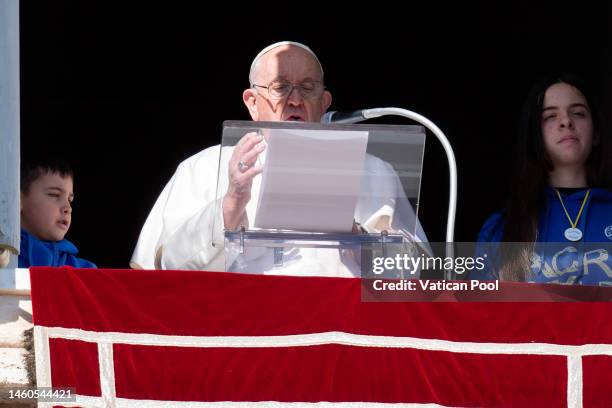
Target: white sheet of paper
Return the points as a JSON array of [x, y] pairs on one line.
[[311, 180]]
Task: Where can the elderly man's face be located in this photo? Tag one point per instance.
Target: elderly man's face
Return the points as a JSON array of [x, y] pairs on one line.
[[287, 67]]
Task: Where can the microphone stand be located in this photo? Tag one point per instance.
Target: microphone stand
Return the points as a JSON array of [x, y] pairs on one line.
[[452, 164]]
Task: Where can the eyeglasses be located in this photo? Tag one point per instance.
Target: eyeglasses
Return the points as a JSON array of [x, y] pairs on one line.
[[282, 89]]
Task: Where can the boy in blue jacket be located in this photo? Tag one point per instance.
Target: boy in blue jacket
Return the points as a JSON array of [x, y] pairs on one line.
[[46, 214]]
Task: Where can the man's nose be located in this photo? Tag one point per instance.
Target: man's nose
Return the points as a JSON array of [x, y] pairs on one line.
[[295, 96]]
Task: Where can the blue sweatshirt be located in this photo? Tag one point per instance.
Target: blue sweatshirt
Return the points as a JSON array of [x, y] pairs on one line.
[[588, 261], [36, 252]]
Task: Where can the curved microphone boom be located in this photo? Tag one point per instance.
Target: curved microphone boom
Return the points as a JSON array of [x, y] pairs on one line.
[[363, 114]]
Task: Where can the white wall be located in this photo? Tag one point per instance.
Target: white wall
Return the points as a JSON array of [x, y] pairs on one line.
[[9, 124]]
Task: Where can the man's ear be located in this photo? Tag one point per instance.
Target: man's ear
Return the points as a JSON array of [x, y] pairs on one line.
[[249, 97], [327, 100]]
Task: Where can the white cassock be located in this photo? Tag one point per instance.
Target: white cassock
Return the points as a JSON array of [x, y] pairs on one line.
[[187, 218]]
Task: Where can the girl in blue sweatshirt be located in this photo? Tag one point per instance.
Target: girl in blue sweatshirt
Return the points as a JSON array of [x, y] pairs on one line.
[[560, 194]]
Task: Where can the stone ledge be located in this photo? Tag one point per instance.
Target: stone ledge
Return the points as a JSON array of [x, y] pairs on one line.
[[12, 367], [15, 317]]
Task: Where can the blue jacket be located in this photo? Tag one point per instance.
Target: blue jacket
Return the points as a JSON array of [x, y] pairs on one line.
[[588, 261], [36, 252]]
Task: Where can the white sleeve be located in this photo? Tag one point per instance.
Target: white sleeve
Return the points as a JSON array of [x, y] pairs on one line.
[[178, 233], [191, 246], [143, 256], [383, 204]]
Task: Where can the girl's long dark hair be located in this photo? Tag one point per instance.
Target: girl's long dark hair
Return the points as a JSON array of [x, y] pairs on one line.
[[528, 189]]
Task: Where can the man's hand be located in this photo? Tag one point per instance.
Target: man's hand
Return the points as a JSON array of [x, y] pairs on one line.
[[242, 170]]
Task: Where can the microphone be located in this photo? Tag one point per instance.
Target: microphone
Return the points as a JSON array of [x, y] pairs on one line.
[[344, 117]]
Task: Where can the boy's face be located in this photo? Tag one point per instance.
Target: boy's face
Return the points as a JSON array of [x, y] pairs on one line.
[[46, 212]]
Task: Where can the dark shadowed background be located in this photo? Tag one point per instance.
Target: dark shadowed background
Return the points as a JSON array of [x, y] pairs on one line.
[[126, 92]]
